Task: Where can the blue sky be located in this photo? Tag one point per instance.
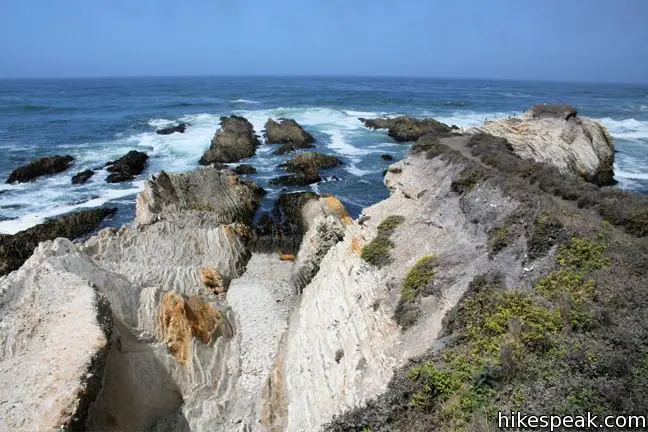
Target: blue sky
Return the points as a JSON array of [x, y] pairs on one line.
[[578, 40]]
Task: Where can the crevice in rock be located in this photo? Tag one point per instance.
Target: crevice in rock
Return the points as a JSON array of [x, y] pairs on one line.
[[92, 382], [138, 388], [282, 229]]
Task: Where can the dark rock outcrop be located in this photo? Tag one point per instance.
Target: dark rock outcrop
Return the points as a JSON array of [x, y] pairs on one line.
[[300, 178], [290, 148], [234, 141], [311, 160], [387, 157], [127, 167], [181, 128], [564, 112], [16, 249], [305, 168], [282, 229], [404, 129], [244, 169], [287, 131], [82, 177], [40, 167]]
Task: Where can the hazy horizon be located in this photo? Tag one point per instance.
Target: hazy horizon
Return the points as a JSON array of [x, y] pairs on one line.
[[550, 41], [331, 76]]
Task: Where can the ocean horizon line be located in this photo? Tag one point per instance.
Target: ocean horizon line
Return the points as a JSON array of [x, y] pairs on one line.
[[318, 76]]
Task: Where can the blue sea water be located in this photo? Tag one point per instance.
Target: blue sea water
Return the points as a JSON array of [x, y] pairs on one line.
[[97, 120]]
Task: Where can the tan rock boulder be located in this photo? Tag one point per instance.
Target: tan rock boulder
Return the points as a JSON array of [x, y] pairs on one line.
[[556, 135]]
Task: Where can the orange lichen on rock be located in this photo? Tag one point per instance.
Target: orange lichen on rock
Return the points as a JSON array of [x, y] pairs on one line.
[[173, 326], [180, 319], [232, 179], [335, 205], [242, 230], [214, 280], [286, 257], [356, 246], [203, 318]]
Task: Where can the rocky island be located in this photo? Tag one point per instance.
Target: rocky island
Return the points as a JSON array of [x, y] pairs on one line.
[[499, 275]]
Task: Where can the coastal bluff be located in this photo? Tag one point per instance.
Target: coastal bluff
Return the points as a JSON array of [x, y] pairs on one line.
[[181, 321]]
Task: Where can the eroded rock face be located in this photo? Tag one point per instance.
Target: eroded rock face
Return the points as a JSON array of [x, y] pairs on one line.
[[405, 129], [54, 336], [211, 195], [554, 134], [15, 249], [40, 167], [126, 167], [234, 141], [325, 223]]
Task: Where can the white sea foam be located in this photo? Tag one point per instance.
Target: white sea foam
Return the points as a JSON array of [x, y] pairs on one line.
[[354, 170], [159, 122], [34, 218], [363, 114], [467, 119], [339, 144], [627, 129], [618, 174], [245, 101]]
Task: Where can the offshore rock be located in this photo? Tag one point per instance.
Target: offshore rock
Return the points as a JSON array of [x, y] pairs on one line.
[[40, 167], [82, 177], [234, 141], [305, 168], [287, 131], [126, 167], [405, 129], [181, 128]]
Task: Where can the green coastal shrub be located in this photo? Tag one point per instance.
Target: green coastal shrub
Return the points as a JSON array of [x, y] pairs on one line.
[[498, 239], [430, 145], [583, 253], [419, 278], [465, 181], [378, 251], [546, 231]]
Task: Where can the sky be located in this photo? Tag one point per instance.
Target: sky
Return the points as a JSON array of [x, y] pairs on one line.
[[554, 40]]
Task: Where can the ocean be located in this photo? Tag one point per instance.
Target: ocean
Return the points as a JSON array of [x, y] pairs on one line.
[[98, 120]]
